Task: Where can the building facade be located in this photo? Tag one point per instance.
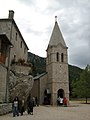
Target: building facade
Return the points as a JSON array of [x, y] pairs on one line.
[[4, 51], [10, 28], [12, 47]]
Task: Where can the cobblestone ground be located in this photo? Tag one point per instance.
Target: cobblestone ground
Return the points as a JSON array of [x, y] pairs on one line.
[[73, 112]]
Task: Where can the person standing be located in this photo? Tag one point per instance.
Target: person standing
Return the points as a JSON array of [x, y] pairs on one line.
[[65, 101], [22, 105], [58, 100], [36, 101], [30, 107], [61, 101], [15, 107]]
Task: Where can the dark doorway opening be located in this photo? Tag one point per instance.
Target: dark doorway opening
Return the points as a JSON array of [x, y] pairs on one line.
[[60, 93], [47, 98], [60, 96]]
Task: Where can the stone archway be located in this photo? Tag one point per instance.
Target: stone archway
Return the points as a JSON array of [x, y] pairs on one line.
[[60, 93]]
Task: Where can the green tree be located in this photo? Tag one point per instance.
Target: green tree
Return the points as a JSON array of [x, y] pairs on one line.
[[74, 76], [82, 86]]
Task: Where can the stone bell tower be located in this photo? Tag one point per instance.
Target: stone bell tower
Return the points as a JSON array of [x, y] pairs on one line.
[[57, 66]]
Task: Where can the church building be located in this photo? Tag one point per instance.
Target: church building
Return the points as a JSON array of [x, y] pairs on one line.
[[54, 83]]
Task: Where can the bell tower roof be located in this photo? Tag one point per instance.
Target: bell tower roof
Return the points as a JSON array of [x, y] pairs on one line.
[[56, 36]]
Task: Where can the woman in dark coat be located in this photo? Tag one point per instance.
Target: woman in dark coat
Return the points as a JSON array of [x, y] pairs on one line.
[[30, 105], [22, 105]]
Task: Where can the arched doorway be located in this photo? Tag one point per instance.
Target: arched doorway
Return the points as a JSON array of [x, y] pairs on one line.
[[60, 93], [60, 96]]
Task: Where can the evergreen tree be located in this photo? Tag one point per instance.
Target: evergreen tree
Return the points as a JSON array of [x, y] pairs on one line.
[[82, 87]]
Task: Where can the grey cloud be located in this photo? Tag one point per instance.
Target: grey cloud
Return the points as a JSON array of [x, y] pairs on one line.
[[80, 56], [75, 26], [74, 20], [27, 2], [29, 30], [77, 34]]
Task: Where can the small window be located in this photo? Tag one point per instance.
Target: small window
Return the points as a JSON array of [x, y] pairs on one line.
[[16, 36], [62, 57], [57, 56], [14, 57], [24, 50]]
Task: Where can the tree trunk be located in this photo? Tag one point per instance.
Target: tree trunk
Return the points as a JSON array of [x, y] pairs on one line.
[[86, 100]]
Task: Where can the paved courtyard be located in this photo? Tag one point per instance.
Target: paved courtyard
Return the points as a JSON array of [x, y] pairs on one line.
[[74, 112]]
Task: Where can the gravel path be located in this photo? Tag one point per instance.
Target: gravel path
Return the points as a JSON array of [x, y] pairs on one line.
[[73, 112]]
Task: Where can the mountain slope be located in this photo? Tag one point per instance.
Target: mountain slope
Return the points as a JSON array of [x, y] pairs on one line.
[[38, 63], [39, 66]]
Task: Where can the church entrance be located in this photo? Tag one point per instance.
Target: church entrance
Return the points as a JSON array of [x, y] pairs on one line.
[[60, 96], [60, 93]]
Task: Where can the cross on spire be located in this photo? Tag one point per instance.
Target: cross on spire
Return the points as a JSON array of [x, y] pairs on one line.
[[55, 18]]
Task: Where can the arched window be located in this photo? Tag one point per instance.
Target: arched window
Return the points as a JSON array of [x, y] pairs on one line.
[[57, 56], [62, 57]]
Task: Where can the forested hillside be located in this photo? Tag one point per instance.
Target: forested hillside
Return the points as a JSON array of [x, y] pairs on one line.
[[38, 63], [39, 66]]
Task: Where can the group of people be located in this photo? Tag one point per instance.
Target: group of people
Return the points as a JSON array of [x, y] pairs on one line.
[[62, 101], [19, 106]]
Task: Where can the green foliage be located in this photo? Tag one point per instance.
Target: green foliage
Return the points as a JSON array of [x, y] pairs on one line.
[[81, 88], [38, 64], [74, 76]]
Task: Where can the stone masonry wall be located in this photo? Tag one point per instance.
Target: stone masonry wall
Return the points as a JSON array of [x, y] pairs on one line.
[[5, 108], [21, 69], [3, 74], [43, 87]]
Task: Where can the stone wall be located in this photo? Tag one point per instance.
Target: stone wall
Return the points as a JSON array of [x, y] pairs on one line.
[[21, 69], [43, 86], [40, 84], [3, 75], [5, 108], [20, 78]]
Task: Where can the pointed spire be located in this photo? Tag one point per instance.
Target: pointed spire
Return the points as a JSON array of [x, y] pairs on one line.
[[56, 36]]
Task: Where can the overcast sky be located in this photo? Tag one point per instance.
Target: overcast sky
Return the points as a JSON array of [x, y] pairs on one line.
[[36, 19]]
